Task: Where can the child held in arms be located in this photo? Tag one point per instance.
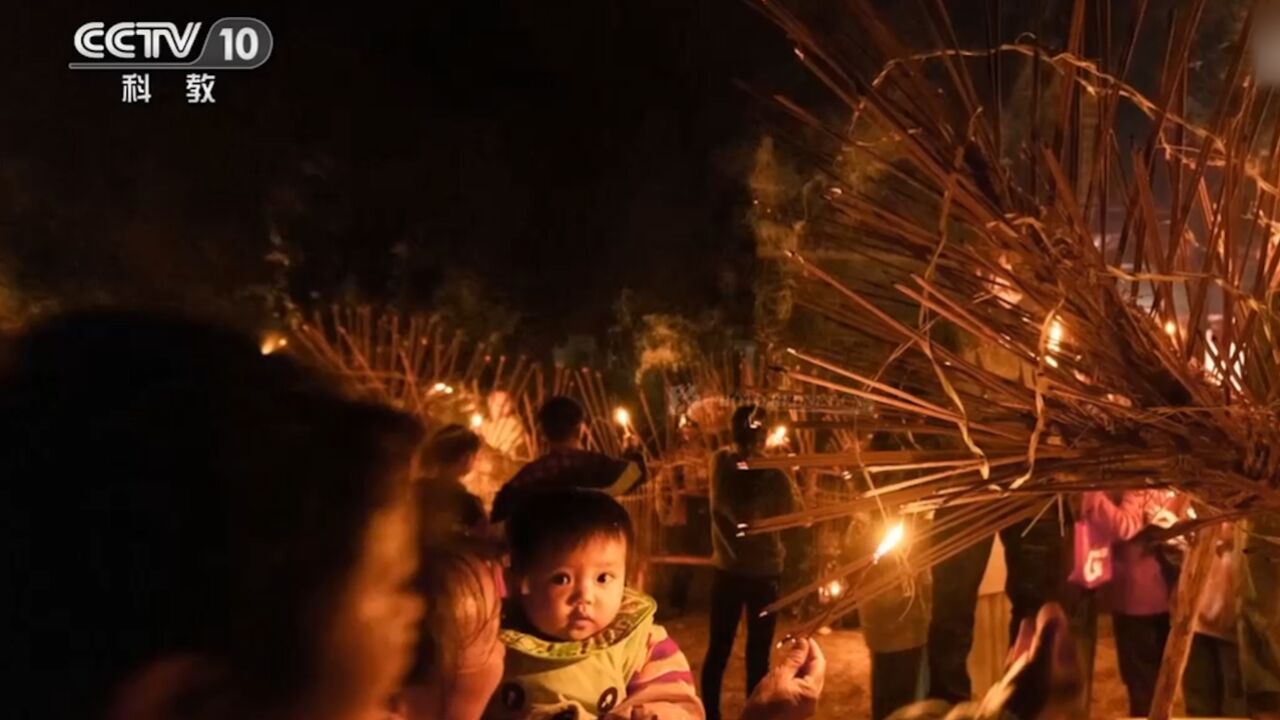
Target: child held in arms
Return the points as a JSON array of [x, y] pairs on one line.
[[580, 643]]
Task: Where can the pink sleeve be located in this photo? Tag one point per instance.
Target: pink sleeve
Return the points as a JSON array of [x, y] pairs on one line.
[[662, 688], [1124, 521]]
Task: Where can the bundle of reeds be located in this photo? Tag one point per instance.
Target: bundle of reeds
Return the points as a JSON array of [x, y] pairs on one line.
[[1075, 309]]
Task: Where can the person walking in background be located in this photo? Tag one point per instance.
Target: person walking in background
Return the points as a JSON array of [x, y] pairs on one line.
[[747, 569], [567, 463]]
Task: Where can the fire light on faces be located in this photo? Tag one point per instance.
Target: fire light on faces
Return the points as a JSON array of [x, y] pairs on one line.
[[622, 416], [777, 437], [476, 420], [891, 540]]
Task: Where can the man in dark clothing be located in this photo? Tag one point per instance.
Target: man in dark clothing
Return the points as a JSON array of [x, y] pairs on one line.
[[1033, 553], [566, 463], [748, 569]]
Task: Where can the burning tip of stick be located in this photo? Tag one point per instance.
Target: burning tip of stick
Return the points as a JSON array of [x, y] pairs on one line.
[[891, 540], [777, 437], [272, 342], [622, 416]]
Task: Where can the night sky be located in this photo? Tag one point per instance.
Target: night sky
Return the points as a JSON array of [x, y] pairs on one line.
[[558, 151]]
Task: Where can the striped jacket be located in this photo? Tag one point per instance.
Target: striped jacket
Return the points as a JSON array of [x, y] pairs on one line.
[[632, 669]]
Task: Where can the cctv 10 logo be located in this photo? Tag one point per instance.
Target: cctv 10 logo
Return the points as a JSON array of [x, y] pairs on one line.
[[236, 43]]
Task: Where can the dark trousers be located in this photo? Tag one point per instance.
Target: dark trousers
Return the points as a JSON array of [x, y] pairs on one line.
[[896, 678], [1139, 648], [1212, 685], [1036, 573], [730, 595]]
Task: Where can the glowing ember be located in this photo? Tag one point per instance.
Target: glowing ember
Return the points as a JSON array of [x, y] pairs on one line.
[[1055, 336], [684, 421], [622, 417], [1170, 328], [271, 342], [1053, 343], [442, 388], [835, 588], [476, 420], [777, 438], [891, 540]]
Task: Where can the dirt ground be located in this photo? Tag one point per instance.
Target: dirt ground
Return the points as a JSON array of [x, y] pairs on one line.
[[848, 671]]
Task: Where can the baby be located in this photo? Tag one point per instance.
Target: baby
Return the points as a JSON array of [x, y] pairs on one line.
[[580, 643]]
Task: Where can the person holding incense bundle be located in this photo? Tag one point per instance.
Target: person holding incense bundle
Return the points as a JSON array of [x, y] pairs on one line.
[[748, 569], [895, 623], [1126, 568]]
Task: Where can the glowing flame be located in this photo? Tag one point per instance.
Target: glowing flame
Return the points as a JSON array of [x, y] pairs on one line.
[[477, 420], [1054, 343], [271, 342], [1216, 367], [684, 421], [835, 588], [1170, 328], [622, 417], [442, 388], [891, 540], [777, 437]]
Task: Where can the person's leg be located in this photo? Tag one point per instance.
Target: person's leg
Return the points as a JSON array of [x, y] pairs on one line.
[[955, 592], [1083, 617], [762, 592], [726, 608], [895, 680], [1202, 680], [1139, 648], [1227, 656], [1033, 554], [1259, 622]]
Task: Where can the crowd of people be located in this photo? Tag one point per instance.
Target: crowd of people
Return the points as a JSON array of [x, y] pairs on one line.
[[193, 529]]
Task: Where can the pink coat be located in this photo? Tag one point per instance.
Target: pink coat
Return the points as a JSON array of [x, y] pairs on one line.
[[1138, 585]]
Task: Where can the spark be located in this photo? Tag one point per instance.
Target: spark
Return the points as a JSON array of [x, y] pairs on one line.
[[891, 540], [777, 437]]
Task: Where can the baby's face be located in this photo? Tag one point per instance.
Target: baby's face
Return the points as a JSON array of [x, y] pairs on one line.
[[574, 595]]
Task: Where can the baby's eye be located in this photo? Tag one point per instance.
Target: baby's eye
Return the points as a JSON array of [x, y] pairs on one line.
[[560, 579], [604, 578]]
